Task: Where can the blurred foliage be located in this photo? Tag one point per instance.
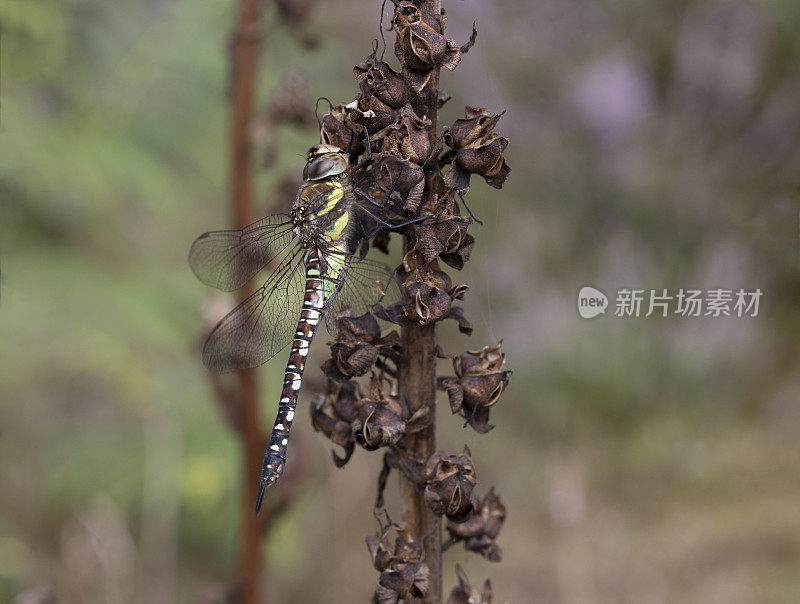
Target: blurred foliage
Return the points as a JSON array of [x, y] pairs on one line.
[[654, 145]]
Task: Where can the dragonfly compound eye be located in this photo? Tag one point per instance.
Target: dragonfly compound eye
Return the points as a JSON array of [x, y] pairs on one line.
[[325, 165]]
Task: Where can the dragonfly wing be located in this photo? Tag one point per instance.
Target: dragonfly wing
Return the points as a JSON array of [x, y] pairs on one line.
[[365, 283], [263, 324], [229, 259]]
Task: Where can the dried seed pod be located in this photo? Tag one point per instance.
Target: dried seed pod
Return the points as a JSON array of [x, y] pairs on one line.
[[403, 574], [441, 201], [427, 299], [335, 132], [485, 157], [449, 484], [477, 150], [480, 529], [350, 359], [376, 114], [477, 385], [343, 126], [357, 346], [379, 424], [403, 582], [398, 174], [384, 418], [383, 551], [420, 48], [446, 237], [479, 122], [333, 414], [406, 137], [420, 44], [464, 593], [376, 78]]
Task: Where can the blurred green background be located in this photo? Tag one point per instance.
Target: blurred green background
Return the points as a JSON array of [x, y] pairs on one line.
[[653, 145]]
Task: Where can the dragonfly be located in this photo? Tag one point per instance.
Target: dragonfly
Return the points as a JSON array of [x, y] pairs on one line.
[[316, 254]]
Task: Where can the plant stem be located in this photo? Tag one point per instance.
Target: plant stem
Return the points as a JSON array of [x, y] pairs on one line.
[[418, 388], [244, 57], [417, 380]]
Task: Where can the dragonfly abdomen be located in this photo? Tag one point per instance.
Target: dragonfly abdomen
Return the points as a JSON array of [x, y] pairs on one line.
[[310, 316]]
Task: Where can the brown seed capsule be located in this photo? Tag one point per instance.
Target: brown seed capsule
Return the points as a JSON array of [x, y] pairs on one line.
[[447, 238], [402, 582], [477, 150], [357, 346], [406, 136], [479, 122], [335, 132], [376, 115], [398, 174], [378, 425], [420, 48], [477, 385], [449, 484], [385, 552], [464, 593], [480, 529], [425, 301], [421, 44], [376, 78], [403, 574], [333, 414]]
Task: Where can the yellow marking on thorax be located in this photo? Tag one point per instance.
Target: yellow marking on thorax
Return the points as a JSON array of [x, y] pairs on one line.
[[334, 231], [333, 198]]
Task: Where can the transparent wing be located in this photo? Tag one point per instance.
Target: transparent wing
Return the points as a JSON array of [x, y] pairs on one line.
[[229, 259], [263, 324], [364, 284]]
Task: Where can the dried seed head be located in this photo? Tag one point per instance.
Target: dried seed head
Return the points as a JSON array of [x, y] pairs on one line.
[[377, 79], [403, 582], [333, 414], [425, 301], [465, 593], [449, 485], [376, 115], [357, 346], [350, 360], [481, 528], [420, 44], [407, 136], [477, 385], [335, 132], [378, 424], [403, 574], [427, 291], [479, 122], [384, 417], [446, 238], [477, 150], [398, 174]]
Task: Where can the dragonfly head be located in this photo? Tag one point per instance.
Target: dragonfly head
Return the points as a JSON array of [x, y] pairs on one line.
[[323, 161]]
